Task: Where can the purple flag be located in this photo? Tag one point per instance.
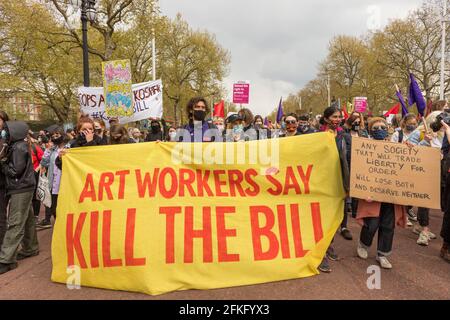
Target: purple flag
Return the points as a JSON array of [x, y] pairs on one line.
[[403, 103], [280, 113], [415, 96]]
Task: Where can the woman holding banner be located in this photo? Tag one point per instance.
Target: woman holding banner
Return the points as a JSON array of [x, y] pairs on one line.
[[331, 121], [376, 216]]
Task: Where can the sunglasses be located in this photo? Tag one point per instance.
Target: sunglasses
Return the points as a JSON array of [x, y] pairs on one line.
[[379, 128], [291, 122]]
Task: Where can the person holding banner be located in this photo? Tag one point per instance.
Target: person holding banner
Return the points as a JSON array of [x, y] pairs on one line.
[[86, 136], [100, 131], [234, 131], [119, 135], [291, 121], [376, 216], [172, 134], [261, 130], [156, 133], [304, 125], [331, 121], [198, 129]]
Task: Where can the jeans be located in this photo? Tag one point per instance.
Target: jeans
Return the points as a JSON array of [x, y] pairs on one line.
[[423, 216], [21, 228], [385, 225], [3, 206]]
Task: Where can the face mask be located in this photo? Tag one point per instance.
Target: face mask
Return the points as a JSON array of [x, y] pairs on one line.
[[303, 127], [220, 127], [379, 134], [155, 129], [58, 141], [4, 135], [355, 127], [172, 136], [238, 129], [199, 115], [258, 126], [411, 128]]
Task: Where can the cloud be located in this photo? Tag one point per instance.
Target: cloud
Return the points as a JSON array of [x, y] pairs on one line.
[[277, 45]]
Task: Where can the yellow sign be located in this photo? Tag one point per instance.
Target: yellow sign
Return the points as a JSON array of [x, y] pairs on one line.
[[161, 217]]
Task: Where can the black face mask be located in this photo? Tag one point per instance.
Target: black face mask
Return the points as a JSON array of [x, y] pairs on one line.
[[199, 115], [356, 127], [58, 141], [156, 129]]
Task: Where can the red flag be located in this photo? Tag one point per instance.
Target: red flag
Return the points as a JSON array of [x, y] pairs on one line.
[[219, 110], [344, 110], [394, 110]]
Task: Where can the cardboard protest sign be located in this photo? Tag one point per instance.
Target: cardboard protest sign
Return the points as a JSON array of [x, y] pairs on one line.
[[117, 83], [148, 102], [395, 173], [156, 218]]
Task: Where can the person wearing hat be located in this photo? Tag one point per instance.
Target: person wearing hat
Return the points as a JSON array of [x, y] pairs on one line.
[[17, 167], [234, 128]]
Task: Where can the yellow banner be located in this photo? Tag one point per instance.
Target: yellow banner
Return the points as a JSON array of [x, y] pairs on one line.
[[161, 217]]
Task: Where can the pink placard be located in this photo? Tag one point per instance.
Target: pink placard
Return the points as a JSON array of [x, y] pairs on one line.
[[361, 104], [241, 93]]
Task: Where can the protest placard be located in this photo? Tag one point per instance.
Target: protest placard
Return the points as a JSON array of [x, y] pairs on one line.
[[360, 104], [395, 173], [117, 84], [241, 92], [148, 102]]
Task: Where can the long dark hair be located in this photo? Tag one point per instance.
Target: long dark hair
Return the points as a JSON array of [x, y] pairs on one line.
[[328, 112]]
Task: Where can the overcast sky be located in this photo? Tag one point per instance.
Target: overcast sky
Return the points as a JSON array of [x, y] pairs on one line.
[[277, 45]]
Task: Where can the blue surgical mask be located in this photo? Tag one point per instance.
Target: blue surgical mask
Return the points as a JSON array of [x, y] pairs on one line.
[[379, 134], [238, 129]]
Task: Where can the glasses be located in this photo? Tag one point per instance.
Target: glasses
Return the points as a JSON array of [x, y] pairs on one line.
[[379, 128], [291, 122]]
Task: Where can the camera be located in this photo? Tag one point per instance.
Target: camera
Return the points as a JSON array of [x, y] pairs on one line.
[[437, 125]]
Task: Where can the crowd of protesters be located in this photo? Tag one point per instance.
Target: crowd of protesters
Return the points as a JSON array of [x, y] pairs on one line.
[[26, 156]]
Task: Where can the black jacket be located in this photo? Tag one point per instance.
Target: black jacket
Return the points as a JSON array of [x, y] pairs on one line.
[[18, 167]]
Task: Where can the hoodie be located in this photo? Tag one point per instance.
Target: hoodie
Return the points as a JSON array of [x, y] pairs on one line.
[[18, 166]]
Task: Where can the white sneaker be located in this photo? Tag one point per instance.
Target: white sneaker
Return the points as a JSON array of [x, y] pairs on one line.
[[362, 252], [423, 239], [384, 262], [409, 223], [431, 235], [417, 229]]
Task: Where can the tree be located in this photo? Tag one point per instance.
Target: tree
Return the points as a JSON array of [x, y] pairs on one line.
[[192, 63], [31, 63]]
